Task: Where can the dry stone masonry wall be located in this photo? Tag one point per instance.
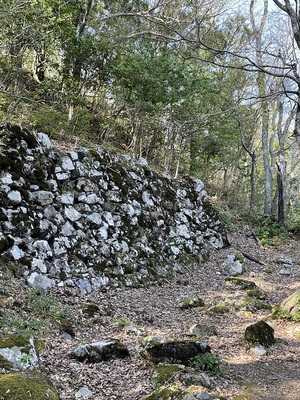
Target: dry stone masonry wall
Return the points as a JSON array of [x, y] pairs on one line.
[[93, 219]]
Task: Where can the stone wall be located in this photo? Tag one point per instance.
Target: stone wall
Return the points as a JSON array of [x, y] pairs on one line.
[[91, 219]]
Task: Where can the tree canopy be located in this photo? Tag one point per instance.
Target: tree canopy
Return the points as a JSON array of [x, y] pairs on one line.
[[210, 89]]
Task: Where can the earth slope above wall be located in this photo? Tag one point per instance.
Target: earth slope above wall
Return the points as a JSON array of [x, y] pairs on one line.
[[93, 219]]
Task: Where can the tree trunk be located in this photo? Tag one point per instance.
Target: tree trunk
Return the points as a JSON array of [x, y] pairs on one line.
[[267, 166], [281, 184], [252, 182]]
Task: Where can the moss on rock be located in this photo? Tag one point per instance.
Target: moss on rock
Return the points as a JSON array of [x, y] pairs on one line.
[[191, 302], [289, 308], [165, 393], [241, 283], [165, 374], [26, 386], [15, 340], [219, 309], [252, 304], [261, 333], [5, 364]]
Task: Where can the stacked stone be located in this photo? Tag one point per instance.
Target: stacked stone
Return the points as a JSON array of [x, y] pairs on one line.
[[90, 218]]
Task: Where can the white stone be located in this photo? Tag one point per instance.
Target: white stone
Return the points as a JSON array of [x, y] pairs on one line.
[[198, 185], [14, 197], [67, 164], [142, 162], [19, 358], [63, 176], [93, 199], [73, 155], [108, 218], [182, 230], [83, 393], [285, 271], [42, 249], [36, 280], [40, 264], [232, 267], [16, 252], [258, 350], [43, 197], [66, 198], [67, 229], [146, 196], [60, 246], [52, 185], [175, 250], [103, 233], [44, 140], [6, 178], [95, 219], [4, 188], [72, 214]]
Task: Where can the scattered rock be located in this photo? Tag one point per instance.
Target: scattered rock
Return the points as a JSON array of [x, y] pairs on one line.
[[246, 303], [165, 374], [83, 393], [90, 310], [233, 265], [260, 333], [173, 351], [18, 352], [201, 330], [26, 386], [197, 379], [241, 283], [191, 302], [285, 271], [166, 393], [219, 309], [100, 351], [258, 350], [289, 308]]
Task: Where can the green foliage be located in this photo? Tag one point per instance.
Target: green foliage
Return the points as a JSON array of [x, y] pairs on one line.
[[38, 312], [270, 233], [208, 362]]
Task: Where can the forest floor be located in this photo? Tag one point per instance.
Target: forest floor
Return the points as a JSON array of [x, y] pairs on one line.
[[133, 314]]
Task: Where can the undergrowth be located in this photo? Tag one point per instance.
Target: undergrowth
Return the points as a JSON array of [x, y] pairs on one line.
[[26, 310]]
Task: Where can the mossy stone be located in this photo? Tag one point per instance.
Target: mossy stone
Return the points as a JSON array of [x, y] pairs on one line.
[[261, 333], [238, 257], [165, 374], [219, 309], [15, 340], [251, 304], [90, 310], [191, 302], [291, 306], [4, 363], [201, 330], [164, 393], [65, 325], [26, 386], [241, 283], [257, 293]]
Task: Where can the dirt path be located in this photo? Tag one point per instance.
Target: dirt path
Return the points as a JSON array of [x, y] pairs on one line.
[[132, 315]]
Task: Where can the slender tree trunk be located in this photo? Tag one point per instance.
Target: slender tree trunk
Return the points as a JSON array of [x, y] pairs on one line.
[[252, 182], [267, 164], [281, 185], [261, 85]]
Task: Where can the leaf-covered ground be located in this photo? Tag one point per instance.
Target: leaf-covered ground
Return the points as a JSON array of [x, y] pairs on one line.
[[132, 315]]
